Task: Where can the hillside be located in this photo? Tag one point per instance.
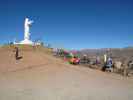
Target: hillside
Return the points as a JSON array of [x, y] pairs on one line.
[[30, 57], [40, 76], [118, 53]]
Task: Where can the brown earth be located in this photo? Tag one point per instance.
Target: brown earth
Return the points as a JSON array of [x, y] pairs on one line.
[[40, 76]]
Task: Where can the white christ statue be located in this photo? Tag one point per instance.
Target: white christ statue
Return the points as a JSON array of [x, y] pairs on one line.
[[27, 25]]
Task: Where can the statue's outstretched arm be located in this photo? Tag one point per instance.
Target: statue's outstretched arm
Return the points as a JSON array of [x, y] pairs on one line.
[[30, 22]]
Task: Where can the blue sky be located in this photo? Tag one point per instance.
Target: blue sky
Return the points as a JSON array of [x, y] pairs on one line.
[[72, 24]]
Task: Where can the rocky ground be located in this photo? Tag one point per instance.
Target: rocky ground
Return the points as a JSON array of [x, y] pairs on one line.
[[40, 76]]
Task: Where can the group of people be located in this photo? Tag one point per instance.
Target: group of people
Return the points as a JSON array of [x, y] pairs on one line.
[[107, 62], [124, 67]]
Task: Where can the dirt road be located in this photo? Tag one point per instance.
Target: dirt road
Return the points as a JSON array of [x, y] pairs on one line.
[[39, 76]]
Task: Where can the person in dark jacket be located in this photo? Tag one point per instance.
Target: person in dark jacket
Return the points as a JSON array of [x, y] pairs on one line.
[[16, 53]]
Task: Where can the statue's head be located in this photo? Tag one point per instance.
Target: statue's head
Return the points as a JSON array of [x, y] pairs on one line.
[[26, 19]]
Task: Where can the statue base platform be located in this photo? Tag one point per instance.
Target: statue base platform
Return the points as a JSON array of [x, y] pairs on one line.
[[27, 42]]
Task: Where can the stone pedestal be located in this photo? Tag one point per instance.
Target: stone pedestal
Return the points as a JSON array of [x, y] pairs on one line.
[[26, 41]]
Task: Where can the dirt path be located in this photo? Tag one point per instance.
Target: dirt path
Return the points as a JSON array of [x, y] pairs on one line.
[[39, 76]]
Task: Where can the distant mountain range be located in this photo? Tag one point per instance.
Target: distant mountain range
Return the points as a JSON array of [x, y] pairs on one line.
[[121, 53]]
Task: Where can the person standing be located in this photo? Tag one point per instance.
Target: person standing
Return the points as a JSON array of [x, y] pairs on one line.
[[105, 62], [16, 53], [97, 60], [109, 62], [105, 58]]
